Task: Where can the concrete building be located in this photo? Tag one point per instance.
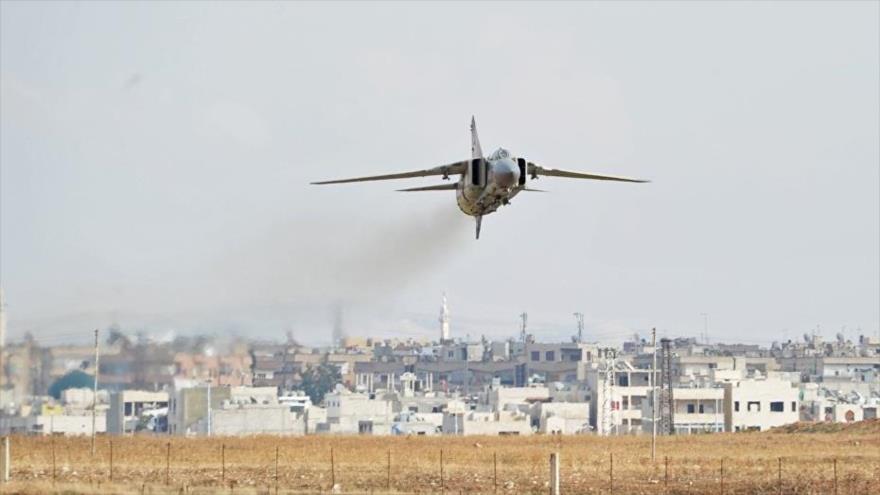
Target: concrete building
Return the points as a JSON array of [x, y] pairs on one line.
[[354, 413], [459, 420], [758, 404], [616, 405], [71, 416], [504, 398], [127, 407], [189, 405], [695, 410], [561, 418], [421, 424], [65, 423], [454, 352], [392, 377], [819, 403], [855, 368], [233, 419]]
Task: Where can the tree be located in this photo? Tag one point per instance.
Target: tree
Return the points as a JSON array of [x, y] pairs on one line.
[[320, 379], [73, 379]]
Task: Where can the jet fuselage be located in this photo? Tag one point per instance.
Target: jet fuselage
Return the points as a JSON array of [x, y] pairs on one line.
[[488, 184]]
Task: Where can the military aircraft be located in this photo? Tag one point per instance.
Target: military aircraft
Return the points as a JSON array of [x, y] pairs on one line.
[[486, 182]]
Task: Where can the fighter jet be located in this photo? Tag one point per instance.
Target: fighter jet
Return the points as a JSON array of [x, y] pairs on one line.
[[486, 182]]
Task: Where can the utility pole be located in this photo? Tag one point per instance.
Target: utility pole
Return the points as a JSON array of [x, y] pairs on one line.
[[525, 319], [209, 403], [95, 392], [580, 320], [653, 380]]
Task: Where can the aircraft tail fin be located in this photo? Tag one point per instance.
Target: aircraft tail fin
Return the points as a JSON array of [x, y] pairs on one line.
[[476, 150], [479, 224]]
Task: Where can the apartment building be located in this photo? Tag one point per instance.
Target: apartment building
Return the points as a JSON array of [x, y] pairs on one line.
[[758, 404], [351, 412], [616, 405]]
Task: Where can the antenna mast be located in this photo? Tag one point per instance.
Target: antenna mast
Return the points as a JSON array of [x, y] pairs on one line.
[[666, 411], [653, 381], [608, 405]]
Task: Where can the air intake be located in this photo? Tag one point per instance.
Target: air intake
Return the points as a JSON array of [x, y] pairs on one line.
[[522, 170]]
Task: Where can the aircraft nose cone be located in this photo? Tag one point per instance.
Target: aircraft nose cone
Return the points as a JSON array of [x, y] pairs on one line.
[[505, 174]]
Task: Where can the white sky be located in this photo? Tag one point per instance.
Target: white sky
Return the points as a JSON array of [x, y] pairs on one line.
[[156, 158]]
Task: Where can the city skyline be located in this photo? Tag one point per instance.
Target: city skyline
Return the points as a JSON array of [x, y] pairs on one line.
[[161, 181]]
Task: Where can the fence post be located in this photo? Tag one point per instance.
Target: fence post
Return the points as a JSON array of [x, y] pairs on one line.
[[388, 477], [495, 472], [611, 474], [168, 463], [666, 476], [722, 476], [6, 460], [111, 461], [779, 477], [276, 470], [554, 473], [53, 461], [332, 470], [442, 487], [835, 476], [223, 464]]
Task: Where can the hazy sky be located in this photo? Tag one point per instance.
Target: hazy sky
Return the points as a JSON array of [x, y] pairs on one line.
[[156, 158]]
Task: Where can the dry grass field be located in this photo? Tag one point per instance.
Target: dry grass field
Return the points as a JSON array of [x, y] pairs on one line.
[[751, 464]]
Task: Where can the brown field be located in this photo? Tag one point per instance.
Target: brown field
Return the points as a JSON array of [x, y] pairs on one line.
[[360, 464]]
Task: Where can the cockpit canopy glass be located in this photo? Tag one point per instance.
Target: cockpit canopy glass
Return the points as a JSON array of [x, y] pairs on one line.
[[499, 154]]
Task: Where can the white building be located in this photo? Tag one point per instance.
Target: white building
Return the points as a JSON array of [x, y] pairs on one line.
[[501, 398], [349, 412], [458, 420], [128, 406], [759, 404], [695, 410], [256, 419], [54, 424], [616, 405], [190, 407], [819, 403], [564, 418], [413, 423], [856, 368]]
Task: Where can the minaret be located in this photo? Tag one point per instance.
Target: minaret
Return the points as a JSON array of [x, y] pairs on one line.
[[444, 321]]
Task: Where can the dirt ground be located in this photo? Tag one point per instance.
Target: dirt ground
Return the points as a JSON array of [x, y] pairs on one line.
[[741, 463]]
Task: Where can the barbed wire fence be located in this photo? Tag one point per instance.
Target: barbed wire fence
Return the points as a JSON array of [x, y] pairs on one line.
[[168, 466]]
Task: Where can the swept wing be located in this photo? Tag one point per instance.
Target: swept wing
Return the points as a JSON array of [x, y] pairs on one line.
[[444, 170], [538, 171], [440, 187]]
